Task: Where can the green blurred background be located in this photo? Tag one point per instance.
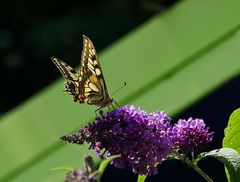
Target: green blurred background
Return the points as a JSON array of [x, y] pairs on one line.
[[181, 57]]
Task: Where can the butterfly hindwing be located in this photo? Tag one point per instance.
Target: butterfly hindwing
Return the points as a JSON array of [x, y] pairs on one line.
[[72, 84], [67, 71]]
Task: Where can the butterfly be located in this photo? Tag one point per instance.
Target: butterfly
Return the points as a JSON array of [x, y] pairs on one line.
[[87, 86]]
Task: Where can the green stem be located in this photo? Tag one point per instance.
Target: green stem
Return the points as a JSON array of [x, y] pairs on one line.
[[194, 166]]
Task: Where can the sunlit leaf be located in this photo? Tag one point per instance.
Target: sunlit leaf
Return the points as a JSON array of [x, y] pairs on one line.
[[230, 158], [141, 178]]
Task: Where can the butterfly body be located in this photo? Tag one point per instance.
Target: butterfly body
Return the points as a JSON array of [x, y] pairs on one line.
[[87, 86]]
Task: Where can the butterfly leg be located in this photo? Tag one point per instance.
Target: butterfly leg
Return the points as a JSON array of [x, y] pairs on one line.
[[99, 110], [116, 103]]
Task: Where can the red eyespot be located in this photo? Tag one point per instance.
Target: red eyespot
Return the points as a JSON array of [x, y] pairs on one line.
[[81, 98]]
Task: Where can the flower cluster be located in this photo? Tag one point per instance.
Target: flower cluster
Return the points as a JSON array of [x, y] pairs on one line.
[[142, 139], [191, 135]]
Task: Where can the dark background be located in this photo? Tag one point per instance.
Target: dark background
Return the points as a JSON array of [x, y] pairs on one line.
[[33, 31]]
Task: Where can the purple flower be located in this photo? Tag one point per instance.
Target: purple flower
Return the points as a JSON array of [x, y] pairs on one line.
[[191, 135], [142, 139]]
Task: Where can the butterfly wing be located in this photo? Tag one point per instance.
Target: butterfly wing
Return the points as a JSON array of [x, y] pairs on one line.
[[72, 77], [95, 89], [89, 85], [67, 71]]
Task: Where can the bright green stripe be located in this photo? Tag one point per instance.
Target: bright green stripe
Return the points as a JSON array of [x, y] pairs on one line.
[[175, 70], [35, 160], [196, 80], [157, 50], [63, 157]]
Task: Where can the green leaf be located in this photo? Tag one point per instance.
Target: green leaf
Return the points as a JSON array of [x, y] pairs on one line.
[[64, 169], [104, 164], [232, 132], [141, 178], [229, 157]]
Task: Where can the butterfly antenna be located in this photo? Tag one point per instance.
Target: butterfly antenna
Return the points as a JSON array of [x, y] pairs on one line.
[[119, 88]]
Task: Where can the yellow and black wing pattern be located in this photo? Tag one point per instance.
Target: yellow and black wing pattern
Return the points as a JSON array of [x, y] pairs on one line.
[[87, 86]]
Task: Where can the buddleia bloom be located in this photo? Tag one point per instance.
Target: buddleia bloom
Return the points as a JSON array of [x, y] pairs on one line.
[[143, 140], [191, 135]]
